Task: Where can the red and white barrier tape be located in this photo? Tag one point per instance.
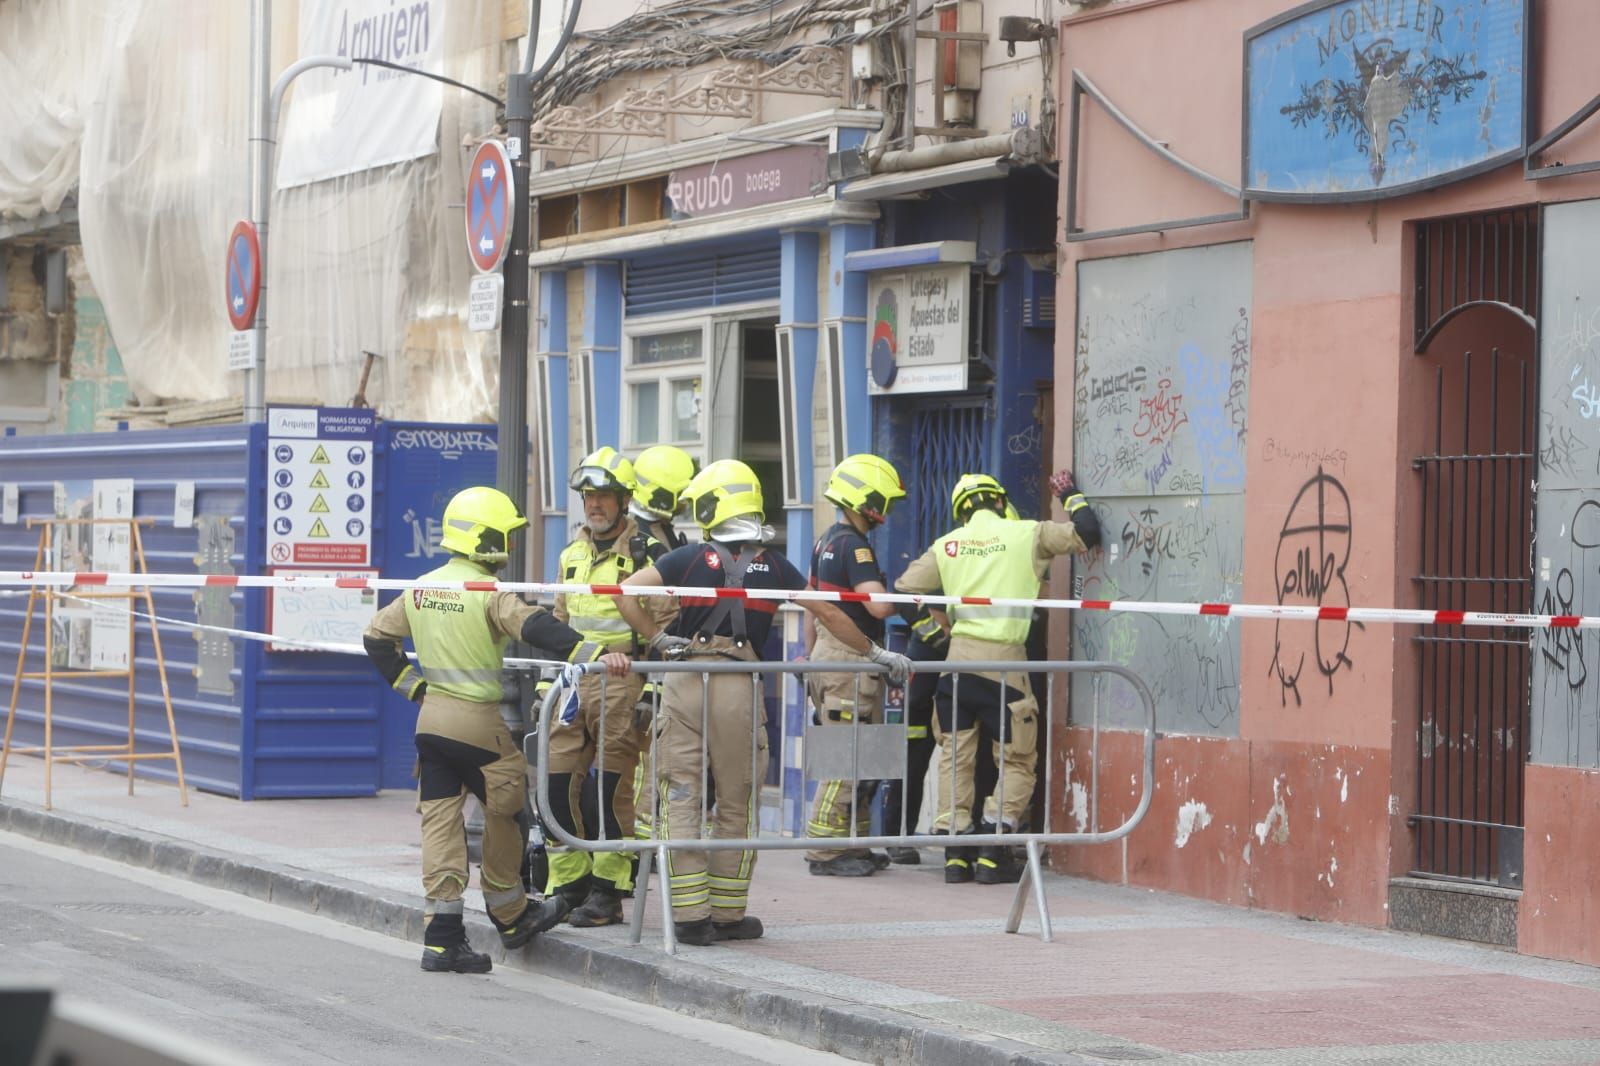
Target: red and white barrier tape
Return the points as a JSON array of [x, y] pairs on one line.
[[1284, 612], [269, 638]]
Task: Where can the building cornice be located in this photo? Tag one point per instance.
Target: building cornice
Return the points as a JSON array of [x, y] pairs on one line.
[[649, 162]]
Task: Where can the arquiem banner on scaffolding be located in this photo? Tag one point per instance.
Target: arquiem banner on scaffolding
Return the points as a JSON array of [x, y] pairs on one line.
[[341, 122]]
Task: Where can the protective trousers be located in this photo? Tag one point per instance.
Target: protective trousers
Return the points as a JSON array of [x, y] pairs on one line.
[[966, 706], [609, 742], [644, 791], [841, 699], [724, 717], [465, 747]]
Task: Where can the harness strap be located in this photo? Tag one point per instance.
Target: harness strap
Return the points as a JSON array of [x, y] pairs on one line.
[[731, 610]]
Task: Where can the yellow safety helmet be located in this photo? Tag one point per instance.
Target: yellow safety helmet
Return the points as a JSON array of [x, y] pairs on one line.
[[973, 491], [724, 491], [478, 522], [606, 470], [660, 475], [867, 485], [1011, 511]]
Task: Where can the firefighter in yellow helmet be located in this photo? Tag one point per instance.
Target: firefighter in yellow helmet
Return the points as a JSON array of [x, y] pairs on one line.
[[608, 548], [462, 743], [660, 475], [865, 489], [989, 555], [710, 894]]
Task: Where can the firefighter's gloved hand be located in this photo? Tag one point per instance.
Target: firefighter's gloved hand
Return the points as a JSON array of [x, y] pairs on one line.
[[568, 711], [1084, 520], [1065, 488], [898, 666], [668, 646], [930, 632]]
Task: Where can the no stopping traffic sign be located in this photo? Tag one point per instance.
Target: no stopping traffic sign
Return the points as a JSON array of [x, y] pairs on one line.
[[489, 200], [244, 276]]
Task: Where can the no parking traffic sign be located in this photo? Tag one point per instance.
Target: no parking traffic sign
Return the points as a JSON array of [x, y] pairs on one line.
[[489, 202], [244, 276]]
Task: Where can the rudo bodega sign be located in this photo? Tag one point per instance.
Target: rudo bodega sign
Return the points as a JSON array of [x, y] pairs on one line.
[[1362, 99]]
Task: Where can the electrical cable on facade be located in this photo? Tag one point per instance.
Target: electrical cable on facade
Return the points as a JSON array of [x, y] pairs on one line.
[[676, 37]]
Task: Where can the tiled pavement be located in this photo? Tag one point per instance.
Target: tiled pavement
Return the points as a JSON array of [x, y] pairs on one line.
[[902, 967]]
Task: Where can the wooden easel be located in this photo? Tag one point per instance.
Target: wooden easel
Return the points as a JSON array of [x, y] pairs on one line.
[[50, 594]]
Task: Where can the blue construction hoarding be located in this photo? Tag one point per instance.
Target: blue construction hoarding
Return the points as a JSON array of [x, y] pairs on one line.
[[253, 721]]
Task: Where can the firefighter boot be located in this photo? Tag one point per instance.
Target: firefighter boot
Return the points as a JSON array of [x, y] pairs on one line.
[[602, 907], [844, 866], [958, 865], [999, 866], [699, 933], [576, 893], [535, 919], [445, 948], [746, 928]]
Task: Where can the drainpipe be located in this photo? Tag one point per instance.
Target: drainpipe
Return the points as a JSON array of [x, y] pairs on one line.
[[1025, 145]]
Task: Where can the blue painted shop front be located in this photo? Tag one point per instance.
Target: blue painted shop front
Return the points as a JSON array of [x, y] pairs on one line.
[[713, 346], [258, 723], [1001, 423]]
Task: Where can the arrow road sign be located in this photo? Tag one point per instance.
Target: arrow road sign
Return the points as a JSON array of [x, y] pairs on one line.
[[244, 276], [489, 203]]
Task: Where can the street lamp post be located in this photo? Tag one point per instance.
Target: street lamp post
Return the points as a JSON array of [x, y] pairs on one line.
[[263, 142]]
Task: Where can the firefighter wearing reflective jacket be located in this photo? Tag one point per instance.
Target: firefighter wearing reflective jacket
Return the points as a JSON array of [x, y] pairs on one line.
[[462, 743], [608, 548], [710, 893], [864, 488], [660, 475], [989, 556]]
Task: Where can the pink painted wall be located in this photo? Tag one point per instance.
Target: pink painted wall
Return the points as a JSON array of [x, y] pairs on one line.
[[1315, 788]]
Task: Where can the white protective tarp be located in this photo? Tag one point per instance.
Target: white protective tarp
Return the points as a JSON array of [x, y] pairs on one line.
[[374, 260], [45, 97]]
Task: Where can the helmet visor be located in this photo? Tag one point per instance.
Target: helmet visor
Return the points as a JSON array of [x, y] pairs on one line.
[[658, 501], [593, 477]]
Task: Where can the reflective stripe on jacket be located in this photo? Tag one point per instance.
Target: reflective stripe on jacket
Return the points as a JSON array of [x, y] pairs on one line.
[[459, 648], [993, 557], [597, 617]]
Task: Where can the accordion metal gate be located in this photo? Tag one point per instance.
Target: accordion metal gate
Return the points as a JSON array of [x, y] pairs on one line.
[[947, 440]]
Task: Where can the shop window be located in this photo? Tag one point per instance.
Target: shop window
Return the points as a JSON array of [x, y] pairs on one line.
[[664, 387]]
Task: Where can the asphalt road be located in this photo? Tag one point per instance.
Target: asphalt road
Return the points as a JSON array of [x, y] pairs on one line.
[[278, 986]]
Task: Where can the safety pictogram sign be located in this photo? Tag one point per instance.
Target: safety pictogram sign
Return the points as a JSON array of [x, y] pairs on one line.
[[311, 450], [244, 276], [489, 204]]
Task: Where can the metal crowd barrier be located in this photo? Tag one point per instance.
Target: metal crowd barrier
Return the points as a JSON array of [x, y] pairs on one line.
[[875, 751]]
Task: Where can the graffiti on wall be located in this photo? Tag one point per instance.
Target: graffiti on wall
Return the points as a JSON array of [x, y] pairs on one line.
[[1161, 390], [1309, 570], [1156, 548], [1564, 725]]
